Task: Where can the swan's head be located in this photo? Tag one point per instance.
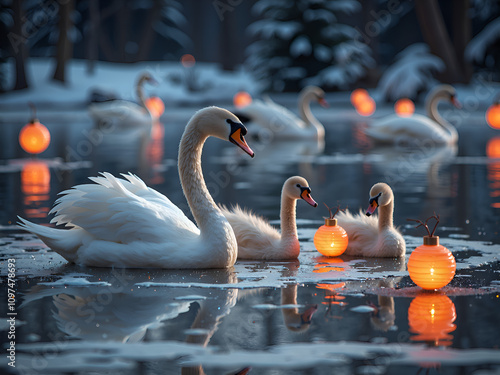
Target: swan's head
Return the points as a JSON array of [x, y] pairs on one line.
[[317, 94], [380, 195], [302, 322], [220, 123], [297, 188], [446, 93], [147, 77]]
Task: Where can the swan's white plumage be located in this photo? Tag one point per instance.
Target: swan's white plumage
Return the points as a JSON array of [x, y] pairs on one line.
[[418, 128], [283, 123], [123, 223], [257, 239], [373, 236]]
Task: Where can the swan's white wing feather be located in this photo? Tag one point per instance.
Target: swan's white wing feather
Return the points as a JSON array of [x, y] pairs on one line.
[[417, 126], [121, 211], [362, 231], [119, 110], [272, 116]]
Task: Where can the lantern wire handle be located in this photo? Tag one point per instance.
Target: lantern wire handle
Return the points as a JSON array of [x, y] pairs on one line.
[[33, 109], [332, 216], [424, 224]]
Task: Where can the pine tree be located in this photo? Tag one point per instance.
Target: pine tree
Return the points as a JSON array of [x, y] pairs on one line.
[[302, 42]]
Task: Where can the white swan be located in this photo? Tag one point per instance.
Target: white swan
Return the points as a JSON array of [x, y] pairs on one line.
[[126, 113], [284, 124], [257, 239], [126, 224], [431, 128], [374, 236]]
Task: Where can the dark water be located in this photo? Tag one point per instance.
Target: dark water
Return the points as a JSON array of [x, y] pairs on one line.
[[151, 322]]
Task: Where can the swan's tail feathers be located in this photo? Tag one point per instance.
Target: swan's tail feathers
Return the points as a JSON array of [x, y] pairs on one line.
[[63, 241]]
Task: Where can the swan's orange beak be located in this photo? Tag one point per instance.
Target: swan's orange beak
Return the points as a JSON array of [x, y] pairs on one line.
[[306, 317], [455, 102], [237, 138], [323, 103], [371, 208], [306, 195]]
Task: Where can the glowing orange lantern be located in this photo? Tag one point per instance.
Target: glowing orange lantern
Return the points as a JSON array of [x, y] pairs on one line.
[[404, 107], [431, 317], [34, 137], [242, 99], [188, 60], [431, 265], [493, 116], [358, 96], [493, 148], [155, 106], [366, 107], [331, 239]]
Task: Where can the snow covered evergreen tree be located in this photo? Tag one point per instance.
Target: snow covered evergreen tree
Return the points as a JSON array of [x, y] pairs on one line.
[[302, 42]]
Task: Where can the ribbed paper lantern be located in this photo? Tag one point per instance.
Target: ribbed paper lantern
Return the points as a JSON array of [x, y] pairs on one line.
[[431, 317], [34, 137], [242, 99], [331, 239], [155, 106], [431, 265], [493, 116], [404, 107]]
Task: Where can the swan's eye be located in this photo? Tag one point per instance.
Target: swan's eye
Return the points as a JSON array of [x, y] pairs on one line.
[[298, 185]]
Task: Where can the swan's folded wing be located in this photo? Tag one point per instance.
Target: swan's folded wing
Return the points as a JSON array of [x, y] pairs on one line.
[[120, 109], [417, 126], [122, 211], [271, 115]]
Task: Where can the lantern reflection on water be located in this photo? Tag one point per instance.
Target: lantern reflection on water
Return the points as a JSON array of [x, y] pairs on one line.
[[35, 185], [493, 168], [430, 317]]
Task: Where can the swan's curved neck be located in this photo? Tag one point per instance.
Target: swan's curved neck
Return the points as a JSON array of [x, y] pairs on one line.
[[307, 116], [385, 219], [139, 91], [287, 216], [433, 113], [193, 184]]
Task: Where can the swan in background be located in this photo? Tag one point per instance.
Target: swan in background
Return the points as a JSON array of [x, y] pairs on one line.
[[284, 124], [431, 128], [123, 223], [124, 112], [371, 236], [257, 239]]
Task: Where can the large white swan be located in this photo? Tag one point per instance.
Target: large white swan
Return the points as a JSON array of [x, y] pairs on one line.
[[284, 124], [431, 128], [372, 236], [257, 239], [126, 113], [123, 223]]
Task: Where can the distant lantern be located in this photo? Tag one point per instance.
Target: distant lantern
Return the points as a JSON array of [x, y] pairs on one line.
[[493, 148], [188, 61], [493, 116], [242, 99], [359, 95], [34, 137], [404, 107], [430, 317], [366, 107], [155, 106], [431, 265]]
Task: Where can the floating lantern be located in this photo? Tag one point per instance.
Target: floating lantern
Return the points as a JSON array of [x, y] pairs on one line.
[[366, 107], [431, 265], [358, 96], [493, 148], [188, 61], [431, 317], [331, 239], [155, 106], [34, 137], [404, 107], [493, 116], [242, 99]]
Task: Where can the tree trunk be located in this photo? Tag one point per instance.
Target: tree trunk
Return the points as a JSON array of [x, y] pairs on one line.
[[92, 47], [148, 35], [462, 35], [436, 36], [18, 43], [64, 43]]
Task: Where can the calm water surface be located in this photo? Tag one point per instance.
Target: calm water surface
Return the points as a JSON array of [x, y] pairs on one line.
[[314, 316]]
